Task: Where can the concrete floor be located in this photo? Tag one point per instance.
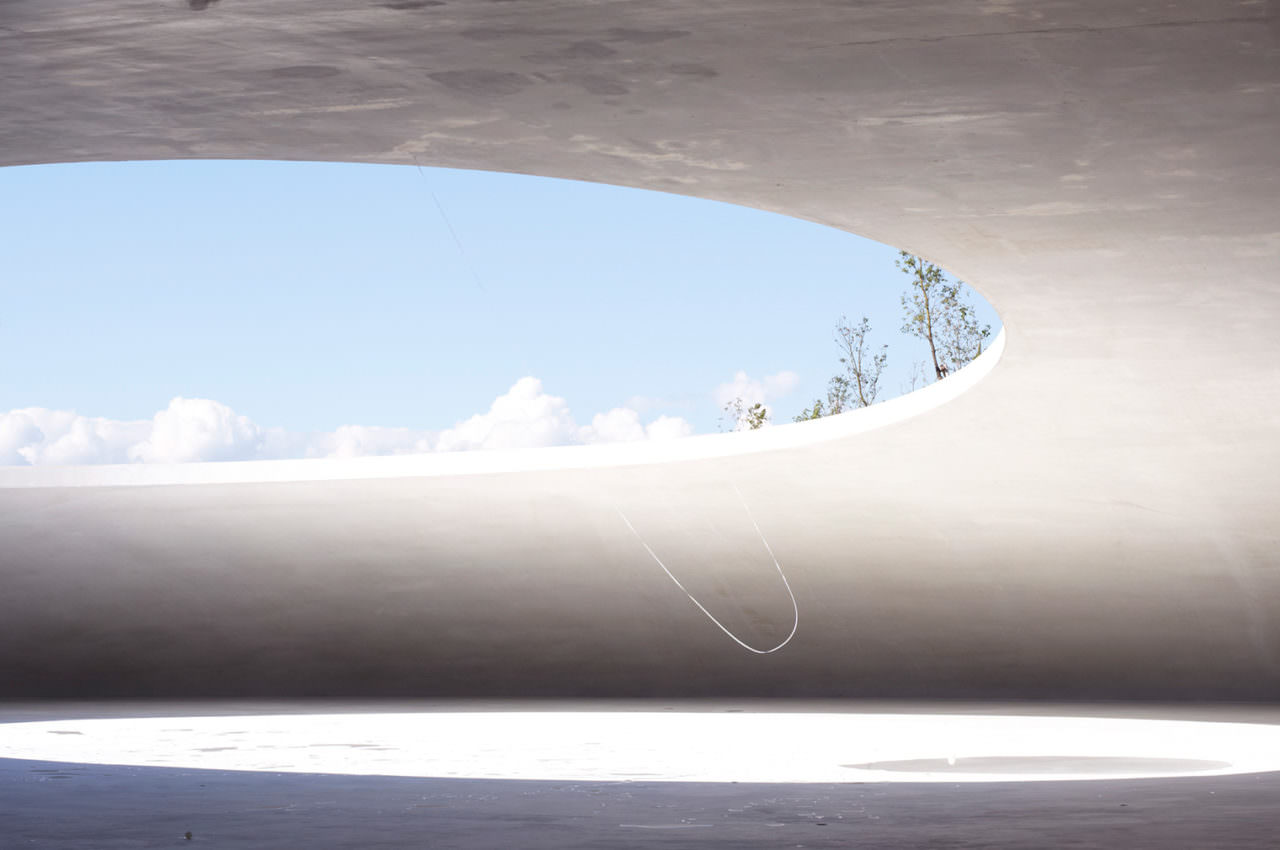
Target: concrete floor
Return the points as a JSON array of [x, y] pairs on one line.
[[66, 806], [102, 807]]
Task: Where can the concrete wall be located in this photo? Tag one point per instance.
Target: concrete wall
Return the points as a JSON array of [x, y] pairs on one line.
[[1095, 518]]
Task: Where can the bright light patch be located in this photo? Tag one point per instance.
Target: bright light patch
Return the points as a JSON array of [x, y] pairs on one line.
[[682, 747]]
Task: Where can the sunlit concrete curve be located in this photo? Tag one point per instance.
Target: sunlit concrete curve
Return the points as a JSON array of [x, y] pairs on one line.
[[1094, 518]]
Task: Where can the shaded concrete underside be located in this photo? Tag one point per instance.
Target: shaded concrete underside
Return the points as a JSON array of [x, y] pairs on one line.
[[1094, 520]]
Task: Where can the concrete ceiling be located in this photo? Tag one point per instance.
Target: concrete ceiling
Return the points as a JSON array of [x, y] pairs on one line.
[[1095, 518]]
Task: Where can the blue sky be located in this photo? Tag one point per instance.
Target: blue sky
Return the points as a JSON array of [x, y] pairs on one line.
[[308, 296]]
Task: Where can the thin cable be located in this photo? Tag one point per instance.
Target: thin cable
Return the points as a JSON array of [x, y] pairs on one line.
[[794, 605], [448, 224]]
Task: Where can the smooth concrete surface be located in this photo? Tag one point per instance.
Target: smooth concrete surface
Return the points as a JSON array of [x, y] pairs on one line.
[[155, 807], [57, 805], [1094, 519]]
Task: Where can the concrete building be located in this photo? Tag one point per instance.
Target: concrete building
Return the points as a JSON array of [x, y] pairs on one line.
[[1107, 175]]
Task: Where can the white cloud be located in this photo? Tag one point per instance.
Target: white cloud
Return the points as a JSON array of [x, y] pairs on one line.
[[358, 440], [18, 431], [192, 429], [622, 424], [523, 417], [526, 417], [195, 429], [753, 391], [36, 435], [667, 428]]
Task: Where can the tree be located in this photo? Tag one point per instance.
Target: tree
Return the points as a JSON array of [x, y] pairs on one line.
[[859, 383], [935, 311], [862, 364], [837, 394], [744, 418], [919, 376], [960, 340], [808, 413], [757, 415]]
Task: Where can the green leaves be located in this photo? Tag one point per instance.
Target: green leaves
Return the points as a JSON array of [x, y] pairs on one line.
[[863, 364], [814, 412], [935, 310], [741, 417]]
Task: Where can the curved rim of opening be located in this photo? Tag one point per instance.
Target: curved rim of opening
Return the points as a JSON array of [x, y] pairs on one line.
[[550, 458]]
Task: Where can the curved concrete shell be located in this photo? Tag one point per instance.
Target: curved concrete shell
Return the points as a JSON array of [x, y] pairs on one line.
[[1095, 518]]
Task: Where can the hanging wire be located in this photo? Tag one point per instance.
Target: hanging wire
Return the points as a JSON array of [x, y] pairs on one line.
[[795, 606], [462, 252]]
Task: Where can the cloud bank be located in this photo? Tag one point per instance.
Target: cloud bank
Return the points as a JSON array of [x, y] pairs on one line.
[[195, 429]]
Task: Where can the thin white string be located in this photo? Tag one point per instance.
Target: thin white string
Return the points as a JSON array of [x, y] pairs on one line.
[[462, 252], [794, 606]]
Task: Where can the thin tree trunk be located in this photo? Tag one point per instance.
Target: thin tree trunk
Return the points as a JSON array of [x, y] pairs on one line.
[[928, 325]]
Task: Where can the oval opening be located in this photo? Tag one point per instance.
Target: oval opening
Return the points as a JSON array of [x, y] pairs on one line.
[[188, 311]]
